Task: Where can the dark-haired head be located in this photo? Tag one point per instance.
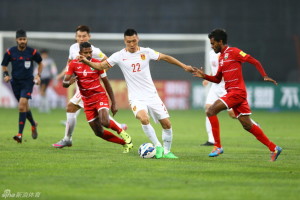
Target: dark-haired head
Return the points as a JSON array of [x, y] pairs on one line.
[[85, 45], [218, 35], [20, 33], [130, 32], [83, 28]]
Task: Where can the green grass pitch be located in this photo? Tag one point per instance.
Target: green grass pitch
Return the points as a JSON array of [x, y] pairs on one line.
[[95, 169]]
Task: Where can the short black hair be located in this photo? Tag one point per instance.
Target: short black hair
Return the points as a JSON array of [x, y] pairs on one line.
[[218, 35], [85, 45], [21, 33], [130, 32], [83, 28]]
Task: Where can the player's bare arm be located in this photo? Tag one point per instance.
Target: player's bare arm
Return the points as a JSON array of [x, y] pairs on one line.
[[6, 76], [37, 78], [111, 95], [100, 66], [69, 80], [174, 61]]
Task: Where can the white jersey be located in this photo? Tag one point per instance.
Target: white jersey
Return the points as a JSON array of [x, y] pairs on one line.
[[217, 89], [74, 52], [136, 70]]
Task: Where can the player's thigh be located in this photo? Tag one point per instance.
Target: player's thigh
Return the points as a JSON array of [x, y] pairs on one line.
[[139, 109], [216, 107]]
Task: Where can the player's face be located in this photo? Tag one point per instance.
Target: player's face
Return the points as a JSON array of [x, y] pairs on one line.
[[131, 43], [82, 37], [22, 42], [86, 52], [216, 46]]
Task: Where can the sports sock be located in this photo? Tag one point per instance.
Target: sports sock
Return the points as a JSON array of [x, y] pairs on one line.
[[30, 118], [70, 125], [259, 134], [117, 123], [209, 131], [215, 126], [114, 126], [22, 120], [108, 136], [150, 132], [167, 136]]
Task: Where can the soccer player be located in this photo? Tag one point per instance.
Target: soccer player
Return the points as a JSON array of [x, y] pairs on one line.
[[142, 94], [216, 91], [230, 69], [22, 79], [93, 95], [75, 103]]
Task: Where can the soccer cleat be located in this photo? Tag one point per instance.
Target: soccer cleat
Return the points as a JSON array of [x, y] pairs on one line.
[[207, 144], [63, 143], [18, 138], [276, 153], [124, 127], [159, 152], [127, 147], [126, 137], [216, 151], [169, 155], [34, 133]]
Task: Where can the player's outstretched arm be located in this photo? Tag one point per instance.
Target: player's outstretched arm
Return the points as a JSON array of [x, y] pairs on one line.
[[266, 78], [95, 65], [174, 61]]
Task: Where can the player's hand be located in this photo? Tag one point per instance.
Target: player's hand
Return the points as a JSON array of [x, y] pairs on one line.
[[114, 109], [7, 79], [189, 68], [266, 78], [198, 72], [205, 82], [82, 58], [73, 80], [37, 80]]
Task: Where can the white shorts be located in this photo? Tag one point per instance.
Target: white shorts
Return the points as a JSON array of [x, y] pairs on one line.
[[154, 106], [76, 99], [215, 92]]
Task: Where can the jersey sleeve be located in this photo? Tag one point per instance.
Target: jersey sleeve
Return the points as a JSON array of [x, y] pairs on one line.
[[70, 68], [98, 54], [72, 53], [113, 59], [6, 58], [240, 55], [154, 55], [37, 57]]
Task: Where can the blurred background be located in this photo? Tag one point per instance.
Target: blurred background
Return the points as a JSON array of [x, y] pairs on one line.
[[268, 30]]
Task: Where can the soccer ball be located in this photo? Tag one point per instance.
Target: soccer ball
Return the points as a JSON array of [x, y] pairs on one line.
[[147, 150]]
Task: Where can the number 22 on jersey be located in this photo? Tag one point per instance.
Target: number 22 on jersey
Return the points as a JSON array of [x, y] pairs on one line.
[[136, 67]]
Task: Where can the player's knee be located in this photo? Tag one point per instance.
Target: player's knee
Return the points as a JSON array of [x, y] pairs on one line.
[[166, 126], [210, 112], [105, 122], [247, 126], [99, 133], [144, 119]]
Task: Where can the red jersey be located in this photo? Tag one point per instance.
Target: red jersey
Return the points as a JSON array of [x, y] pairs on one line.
[[230, 68], [88, 81]]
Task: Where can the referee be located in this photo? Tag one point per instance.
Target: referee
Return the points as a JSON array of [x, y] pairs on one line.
[[21, 78]]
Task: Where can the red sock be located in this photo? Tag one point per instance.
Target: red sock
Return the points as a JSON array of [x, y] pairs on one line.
[[259, 134], [215, 126], [108, 136], [114, 126]]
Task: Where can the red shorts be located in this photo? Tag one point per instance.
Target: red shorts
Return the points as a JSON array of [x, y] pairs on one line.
[[92, 110], [237, 102]]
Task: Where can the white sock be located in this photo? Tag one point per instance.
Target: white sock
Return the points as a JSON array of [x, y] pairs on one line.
[[150, 132], [117, 123], [70, 125], [209, 131], [167, 136]]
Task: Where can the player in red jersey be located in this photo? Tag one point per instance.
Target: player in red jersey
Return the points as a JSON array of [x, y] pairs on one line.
[[96, 102], [230, 69]]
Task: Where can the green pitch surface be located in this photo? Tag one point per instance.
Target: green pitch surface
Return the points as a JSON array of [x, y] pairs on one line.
[[95, 169]]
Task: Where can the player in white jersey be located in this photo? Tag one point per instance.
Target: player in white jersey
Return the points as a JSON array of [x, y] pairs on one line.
[[142, 94], [216, 91], [75, 103]]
